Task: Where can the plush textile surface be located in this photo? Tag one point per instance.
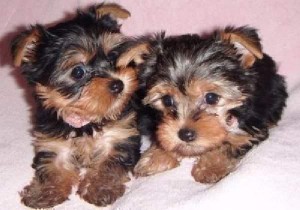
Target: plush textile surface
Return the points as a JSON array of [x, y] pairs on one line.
[[269, 176]]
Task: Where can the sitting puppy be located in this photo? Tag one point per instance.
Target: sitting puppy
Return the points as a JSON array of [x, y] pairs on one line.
[[215, 97], [83, 86]]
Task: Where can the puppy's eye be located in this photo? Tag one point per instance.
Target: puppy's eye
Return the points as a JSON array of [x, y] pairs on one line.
[[167, 101], [211, 98], [78, 72], [112, 55]]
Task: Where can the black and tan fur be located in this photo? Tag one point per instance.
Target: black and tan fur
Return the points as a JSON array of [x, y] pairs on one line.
[[214, 97], [84, 80]]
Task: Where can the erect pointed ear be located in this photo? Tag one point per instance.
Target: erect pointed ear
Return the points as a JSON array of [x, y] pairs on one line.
[[133, 54], [246, 41], [115, 11], [23, 47]]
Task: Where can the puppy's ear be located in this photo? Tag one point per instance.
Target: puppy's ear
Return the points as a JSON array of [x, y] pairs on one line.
[[23, 47], [147, 46], [133, 54], [246, 41], [115, 11]]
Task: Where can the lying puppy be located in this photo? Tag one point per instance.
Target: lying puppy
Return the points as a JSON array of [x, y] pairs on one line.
[[214, 98]]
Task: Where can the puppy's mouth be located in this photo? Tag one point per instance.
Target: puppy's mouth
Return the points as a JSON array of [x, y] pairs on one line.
[[189, 150], [76, 120]]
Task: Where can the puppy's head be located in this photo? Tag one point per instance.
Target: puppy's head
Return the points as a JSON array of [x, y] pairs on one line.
[[211, 91], [74, 65]]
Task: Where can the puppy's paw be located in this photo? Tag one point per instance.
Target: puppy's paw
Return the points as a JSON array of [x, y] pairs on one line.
[[155, 161], [213, 166], [207, 175], [38, 195], [100, 194]]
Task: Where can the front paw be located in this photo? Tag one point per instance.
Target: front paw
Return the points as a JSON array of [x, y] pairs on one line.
[[213, 166], [154, 162], [100, 193], [207, 175], [46, 195]]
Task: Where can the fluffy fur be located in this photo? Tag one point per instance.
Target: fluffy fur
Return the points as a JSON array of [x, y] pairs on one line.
[[84, 79], [211, 97]]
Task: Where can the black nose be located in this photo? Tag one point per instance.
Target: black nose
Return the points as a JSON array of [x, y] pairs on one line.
[[116, 86], [187, 135]]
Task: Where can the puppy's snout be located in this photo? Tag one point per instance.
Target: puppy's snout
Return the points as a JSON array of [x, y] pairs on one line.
[[186, 134], [116, 86]]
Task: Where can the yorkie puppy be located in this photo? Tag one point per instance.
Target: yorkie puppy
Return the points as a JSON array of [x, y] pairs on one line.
[[84, 79], [214, 98]]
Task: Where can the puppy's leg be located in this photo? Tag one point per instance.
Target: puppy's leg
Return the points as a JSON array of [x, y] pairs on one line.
[[104, 181], [155, 160], [214, 165], [53, 180], [103, 185]]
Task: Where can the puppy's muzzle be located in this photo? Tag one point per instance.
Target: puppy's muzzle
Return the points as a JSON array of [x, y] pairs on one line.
[[116, 86], [186, 134]]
